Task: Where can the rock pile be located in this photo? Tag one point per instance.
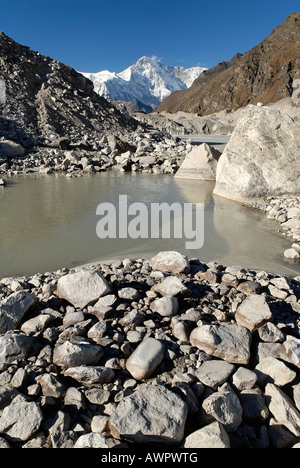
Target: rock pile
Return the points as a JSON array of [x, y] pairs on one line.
[[169, 352], [138, 151], [286, 211]]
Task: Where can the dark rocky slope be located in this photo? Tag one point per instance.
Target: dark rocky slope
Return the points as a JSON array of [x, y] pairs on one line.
[[47, 100]]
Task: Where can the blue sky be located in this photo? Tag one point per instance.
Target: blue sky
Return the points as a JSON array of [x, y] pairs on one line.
[[93, 35]]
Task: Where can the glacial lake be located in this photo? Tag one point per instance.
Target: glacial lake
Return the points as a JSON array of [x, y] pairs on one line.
[[48, 222]]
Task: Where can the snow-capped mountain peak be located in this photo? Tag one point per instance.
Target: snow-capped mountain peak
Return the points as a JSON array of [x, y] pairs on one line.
[[148, 80]]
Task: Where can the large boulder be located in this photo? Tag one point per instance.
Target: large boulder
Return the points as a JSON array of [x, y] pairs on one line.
[[20, 420], [82, 288], [90, 375], [152, 414], [10, 149], [261, 157], [170, 262], [253, 312], [229, 342], [200, 163], [76, 354]]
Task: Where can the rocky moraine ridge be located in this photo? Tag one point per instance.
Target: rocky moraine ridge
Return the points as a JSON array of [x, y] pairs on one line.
[[168, 353], [52, 120]]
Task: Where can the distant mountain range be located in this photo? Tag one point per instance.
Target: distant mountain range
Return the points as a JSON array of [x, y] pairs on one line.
[[267, 73], [148, 81]]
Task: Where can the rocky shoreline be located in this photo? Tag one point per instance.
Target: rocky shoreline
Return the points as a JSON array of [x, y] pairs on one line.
[[286, 211], [169, 352], [140, 151]]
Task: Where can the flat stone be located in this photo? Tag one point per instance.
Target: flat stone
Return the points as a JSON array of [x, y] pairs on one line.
[[170, 262], [20, 378], [254, 406], [225, 407], [20, 420], [72, 318], [253, 312], [90, 375], [293, 224], [171, 286], [229, 342], [14, 346], [51, 386], [105, 301], [82, 288], [244, 379], [278, 371], [249, 287], [283, 409], [293, 212], [152, 414], [280, 283], [75, 399], [133, 318], [99, 423], [211, 436], [264, 350], [97, 396], [278, 293], [214, 373], [230, 280], [145, 359], [37, 324], [76, 354], [14, 308], [129, 294], [166, 306]]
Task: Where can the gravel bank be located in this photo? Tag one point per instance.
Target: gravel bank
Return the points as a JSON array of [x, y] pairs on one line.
[[170, 352]]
